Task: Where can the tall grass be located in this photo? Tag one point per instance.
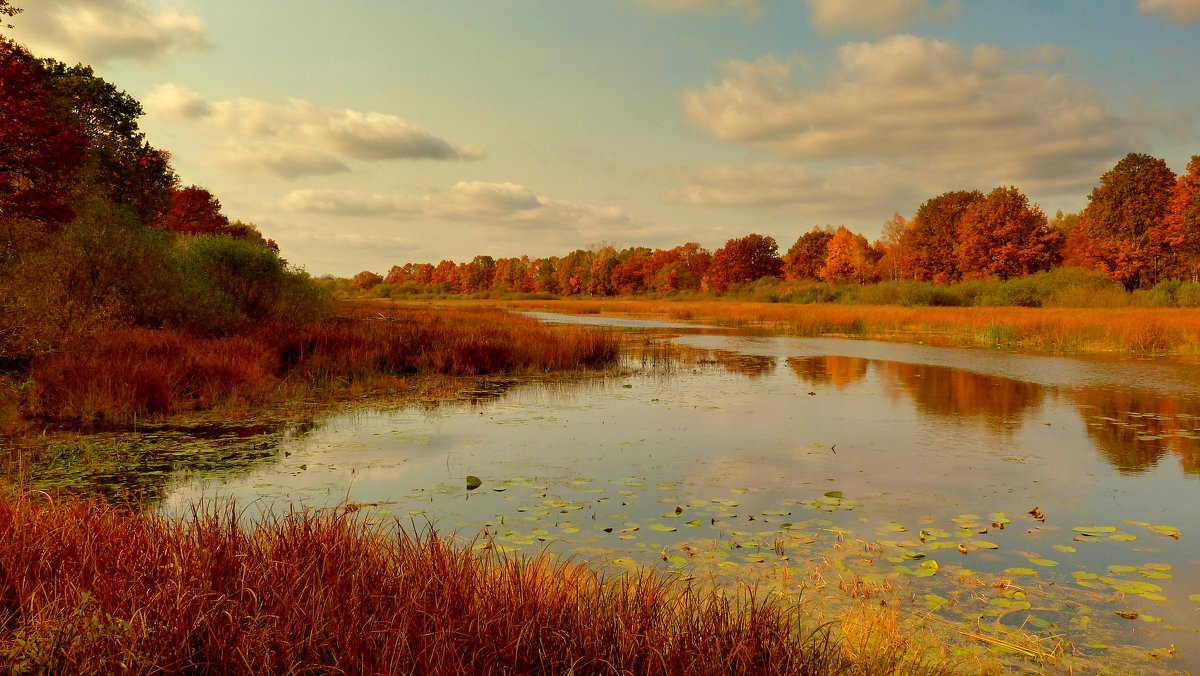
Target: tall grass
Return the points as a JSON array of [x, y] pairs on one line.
[[1055, 330], [124, 374], [93, 589]]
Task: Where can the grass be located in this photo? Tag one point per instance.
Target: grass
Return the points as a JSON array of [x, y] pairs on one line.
[[90, 588], [125, 375], [1044, 330]]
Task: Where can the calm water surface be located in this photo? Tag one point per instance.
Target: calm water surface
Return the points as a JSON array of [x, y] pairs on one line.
[[733, 454]]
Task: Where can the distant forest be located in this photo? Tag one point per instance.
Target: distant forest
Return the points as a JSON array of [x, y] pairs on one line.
[[1141, 227]]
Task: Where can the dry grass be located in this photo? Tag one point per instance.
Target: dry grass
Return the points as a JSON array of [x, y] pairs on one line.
[[123, 375], [93, 589], [1056, 330]]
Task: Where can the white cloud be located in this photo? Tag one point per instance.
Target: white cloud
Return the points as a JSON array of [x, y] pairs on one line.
[[477, 201], [299, 137], [98, 31], [875, 16], [748, 8], [1177, 11], [984, 113]]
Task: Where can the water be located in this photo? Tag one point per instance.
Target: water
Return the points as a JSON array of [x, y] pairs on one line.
[[757, 456]]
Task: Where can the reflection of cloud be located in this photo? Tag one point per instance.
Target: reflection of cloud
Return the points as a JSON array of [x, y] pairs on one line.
[[299, 137], [875, 16], [1177, 11], [98, 31], [922, 104]]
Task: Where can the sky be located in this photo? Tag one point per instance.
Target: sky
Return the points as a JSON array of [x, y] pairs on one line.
[[369, 133]]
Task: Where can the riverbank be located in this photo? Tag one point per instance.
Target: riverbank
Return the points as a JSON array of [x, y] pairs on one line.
[[1141, 331]]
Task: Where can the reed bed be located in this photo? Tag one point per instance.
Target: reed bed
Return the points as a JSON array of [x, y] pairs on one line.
[[89, 588], [1048, 330], [122, 375]]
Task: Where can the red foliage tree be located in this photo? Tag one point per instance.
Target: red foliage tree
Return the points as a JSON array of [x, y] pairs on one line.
[[366, 280], [194, 210], [806, 258], [38, 150], [744, 260], [929, 240], [1123, 231], [1003, 236]]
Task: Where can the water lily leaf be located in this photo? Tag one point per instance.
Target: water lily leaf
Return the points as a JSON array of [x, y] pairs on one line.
[[833, 494], [1020, 571], [1169, 531], [1044, 562], [1194, 597], [1065, 548], [931, 564], [984, 544], [775, 512], [473, 482], [894, 527], [1120, 568], [1083, 575], [693, 523], [624, 561], [1122, 537], [1094, 530], [663, 528]]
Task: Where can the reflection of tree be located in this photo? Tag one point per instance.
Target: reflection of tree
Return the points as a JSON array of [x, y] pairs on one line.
[[829, 369], [750, 365], [940, 390], [1134, 429]]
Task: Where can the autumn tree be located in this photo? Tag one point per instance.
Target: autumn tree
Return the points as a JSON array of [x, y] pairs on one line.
[[929, 239], [1003, 236], [1123, 230], [39, 149], [366, 280], [744, 260], [806, 258], [193, 210], [1182, 231], [8, 10], [630, 274], [893, 259], [848, 258]]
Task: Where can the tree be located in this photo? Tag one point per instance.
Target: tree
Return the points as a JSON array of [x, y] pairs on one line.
[[39, 150], [806, 258], [1182, 230], [366, 280], [744, 260], [8, 10], [1122, 231], [119, 166], [893, 257], [194, 210], [848, 258], [1003, 236], [929, 240]]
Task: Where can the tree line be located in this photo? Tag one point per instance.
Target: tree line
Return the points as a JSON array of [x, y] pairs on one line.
[[1141, 226], [97, 231]]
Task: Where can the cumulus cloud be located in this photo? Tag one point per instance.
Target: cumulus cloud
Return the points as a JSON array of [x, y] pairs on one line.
[[875, 16], [98, 31], [476, 201], [1177, 11], [748, 8], [922, 103], [298, 137]]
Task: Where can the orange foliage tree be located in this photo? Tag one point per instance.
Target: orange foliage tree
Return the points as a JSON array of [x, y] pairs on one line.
[[1182, 232], [848, 259], [806, 258], [744, 260], [1003, 236], [194, 210], [929, 240], [1123, 229]]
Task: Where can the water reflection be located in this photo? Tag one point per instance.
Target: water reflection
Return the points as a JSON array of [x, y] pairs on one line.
[[1135, 429], [833, 370]]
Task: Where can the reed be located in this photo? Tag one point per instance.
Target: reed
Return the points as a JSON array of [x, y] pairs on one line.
[[1052, 330], [123, 375], [90, 588]]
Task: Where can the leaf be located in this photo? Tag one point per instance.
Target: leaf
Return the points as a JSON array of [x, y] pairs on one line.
[[1020, 571], [663, 528], [473, 482], [1094, 530], [1044, 562], [833, 494]]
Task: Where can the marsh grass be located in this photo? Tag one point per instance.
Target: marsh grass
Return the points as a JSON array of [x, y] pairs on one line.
[[1054, 330], [124, 375], [90, 588]]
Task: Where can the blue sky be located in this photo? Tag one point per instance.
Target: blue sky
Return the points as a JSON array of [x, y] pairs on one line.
[[369, 133]]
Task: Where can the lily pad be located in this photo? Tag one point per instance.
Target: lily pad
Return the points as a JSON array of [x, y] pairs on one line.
[[473, 482]]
